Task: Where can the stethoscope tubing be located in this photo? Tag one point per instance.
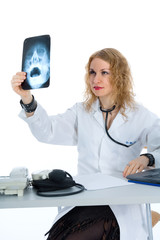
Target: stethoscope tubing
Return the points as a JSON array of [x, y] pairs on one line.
[[106, 118]]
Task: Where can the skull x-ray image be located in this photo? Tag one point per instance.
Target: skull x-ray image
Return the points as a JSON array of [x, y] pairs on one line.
[[36, 62]]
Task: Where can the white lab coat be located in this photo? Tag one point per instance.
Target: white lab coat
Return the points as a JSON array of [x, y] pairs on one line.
[[98, 153]]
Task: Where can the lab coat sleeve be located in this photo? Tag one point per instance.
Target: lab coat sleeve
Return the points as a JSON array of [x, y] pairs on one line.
[[153, 142], [60, 129]]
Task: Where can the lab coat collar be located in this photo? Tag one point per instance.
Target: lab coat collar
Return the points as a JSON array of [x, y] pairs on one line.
[[97, 113], [117, 122], [96, 105]]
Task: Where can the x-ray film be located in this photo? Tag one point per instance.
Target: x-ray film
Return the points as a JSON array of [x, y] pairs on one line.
[[36, 62]]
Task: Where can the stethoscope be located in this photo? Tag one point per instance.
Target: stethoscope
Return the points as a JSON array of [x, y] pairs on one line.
[[108, 111]]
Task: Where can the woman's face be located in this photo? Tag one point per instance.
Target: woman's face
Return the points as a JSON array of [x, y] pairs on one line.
[[99, 78]]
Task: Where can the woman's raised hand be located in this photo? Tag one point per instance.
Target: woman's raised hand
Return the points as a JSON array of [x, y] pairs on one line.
[[16, 82]]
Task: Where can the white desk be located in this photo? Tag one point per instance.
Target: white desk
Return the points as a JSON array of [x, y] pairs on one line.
[[130, 194]]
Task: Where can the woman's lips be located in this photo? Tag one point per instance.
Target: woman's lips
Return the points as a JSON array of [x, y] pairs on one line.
[[98, 88]]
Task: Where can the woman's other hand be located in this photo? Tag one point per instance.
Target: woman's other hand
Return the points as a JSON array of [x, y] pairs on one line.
[[136, 165], [16, 82]]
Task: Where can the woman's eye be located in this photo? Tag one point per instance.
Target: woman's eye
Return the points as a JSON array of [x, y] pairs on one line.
[[105, 73], [91, 72]]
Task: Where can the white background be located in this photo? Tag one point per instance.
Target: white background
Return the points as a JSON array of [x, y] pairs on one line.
[[77, 29]]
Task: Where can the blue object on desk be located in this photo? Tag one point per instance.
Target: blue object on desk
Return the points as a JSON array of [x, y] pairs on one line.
[[149, 177], [146, 183]]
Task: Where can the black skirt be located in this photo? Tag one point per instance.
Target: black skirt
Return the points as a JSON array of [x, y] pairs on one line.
[[86, 223]]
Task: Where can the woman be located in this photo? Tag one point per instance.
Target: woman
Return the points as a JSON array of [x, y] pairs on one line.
[[110, 130]]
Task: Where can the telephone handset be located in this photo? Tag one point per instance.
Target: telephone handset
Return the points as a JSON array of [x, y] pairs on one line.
[[15, 183]]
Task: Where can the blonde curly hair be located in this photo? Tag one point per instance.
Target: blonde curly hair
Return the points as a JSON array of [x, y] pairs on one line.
[[120, 79]]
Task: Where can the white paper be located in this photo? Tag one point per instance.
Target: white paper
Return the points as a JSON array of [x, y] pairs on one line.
[[100, 181]]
